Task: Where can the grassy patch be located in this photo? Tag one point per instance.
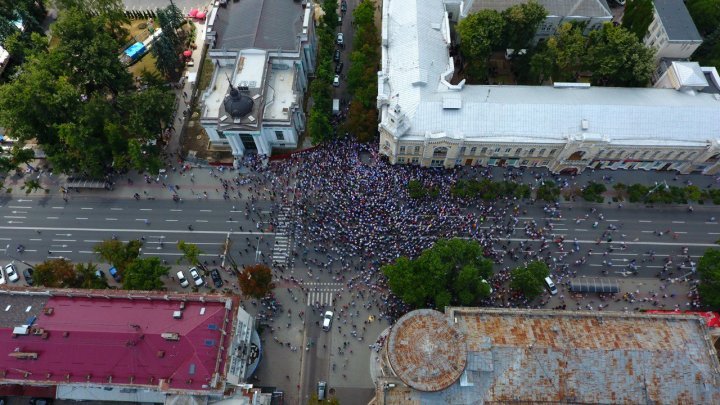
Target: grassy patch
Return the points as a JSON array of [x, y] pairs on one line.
[[146, 63], [205, 75]]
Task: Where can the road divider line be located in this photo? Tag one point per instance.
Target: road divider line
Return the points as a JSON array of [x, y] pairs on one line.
[[171, 220], [18, 206], [145, 209], [116, 209], [111, 219], [173, 210], [58, 208], [154, 231], [80, 218], [678, 222], [13, 217], [205, 210], [51, 217], [644, 221], [86, 208]]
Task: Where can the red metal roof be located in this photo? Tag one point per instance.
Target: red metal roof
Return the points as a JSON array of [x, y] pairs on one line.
[[119, 341]]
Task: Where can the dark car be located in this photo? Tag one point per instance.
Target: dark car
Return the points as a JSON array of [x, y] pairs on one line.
[[343, 6], [339, 67], [27, 273], [217, 280], [336, 57]]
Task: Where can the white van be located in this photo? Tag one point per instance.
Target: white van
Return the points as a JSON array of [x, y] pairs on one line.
[[550, 285], [181, 278]]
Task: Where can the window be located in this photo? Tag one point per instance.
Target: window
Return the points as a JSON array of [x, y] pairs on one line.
[[644, 154], [691, 155], [552, 152], [531, 151], [401, 160], [545, 162], [440, 152], [655, 153], [462, 150], [610, 154], [417, 150], [437, 162], [415, 160], [517, 151], [473, 150], [632, 155], [679, 155], [667, 155], [280, 135], [524, 163], [507, 150], [483, 151], [222, 135], [542, 152], [402, 150], [497, 150]]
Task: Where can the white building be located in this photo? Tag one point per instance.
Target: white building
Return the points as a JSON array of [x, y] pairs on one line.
[[591, 13], [672, 32], [427, 120], [263, 52]]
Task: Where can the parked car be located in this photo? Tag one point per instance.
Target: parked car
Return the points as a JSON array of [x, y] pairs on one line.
[[337, 55], [11, 272], [327, 320], [196, 276], [182, 279], [217, 280], [336, 81], [27, 273], [343, 6], [100, 274], [321, 388], [3, 280], [114, 274], [340, 39], [339, 68]]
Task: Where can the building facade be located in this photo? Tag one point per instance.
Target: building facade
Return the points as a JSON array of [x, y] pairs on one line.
[[264, 50], [672, 32], [429, 121]]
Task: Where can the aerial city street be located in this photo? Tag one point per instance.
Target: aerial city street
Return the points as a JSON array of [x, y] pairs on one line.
[[445, 207]]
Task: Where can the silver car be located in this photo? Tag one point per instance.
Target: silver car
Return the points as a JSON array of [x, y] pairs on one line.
[[12, 273], [196, 276]]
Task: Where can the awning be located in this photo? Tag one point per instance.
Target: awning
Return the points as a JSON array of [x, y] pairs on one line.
[[595, 285], [79, 183]]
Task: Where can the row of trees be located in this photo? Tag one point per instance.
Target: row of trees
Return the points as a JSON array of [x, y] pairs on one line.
[[362, 74], [77, 100], [455, 272], [489, 190], [487, 31], [613, 56], [171, 43], [321, 90]]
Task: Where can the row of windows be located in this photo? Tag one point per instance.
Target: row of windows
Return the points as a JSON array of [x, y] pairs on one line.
[[442, 151], [646, 154]]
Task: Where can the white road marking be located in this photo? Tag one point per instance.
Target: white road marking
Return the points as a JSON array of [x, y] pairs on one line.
[[111, 219], [85, 251], [177, 231], [80, 218], [51, 217], [145, 209], [581, 230], [86, 208], [15, 217], [64, 240], [200, 220], [58, 208], [175, 210], [171, 220], [205, 210], [612, 220], [711, 223], [62, 251], [92, 240], [678, 222], [116, 209], [35, 240], [18, 206], [643, 221]]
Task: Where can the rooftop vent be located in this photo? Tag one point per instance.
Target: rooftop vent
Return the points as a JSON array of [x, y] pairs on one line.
[[170, 336], [177, 314], [585, 125], [570, 85], [24, 355]]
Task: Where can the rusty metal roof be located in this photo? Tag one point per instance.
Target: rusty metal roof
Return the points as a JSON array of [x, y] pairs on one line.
[[557, 356], [426, 351]]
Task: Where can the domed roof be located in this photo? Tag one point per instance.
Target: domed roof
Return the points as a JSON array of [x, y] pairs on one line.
[[426, 351], [238, 105]]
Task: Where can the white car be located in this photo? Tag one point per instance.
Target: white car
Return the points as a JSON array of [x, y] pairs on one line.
[[336, 81], [327, 320], [181, 278], [196, 276], [340, 39], [3, 280], [12, 273]]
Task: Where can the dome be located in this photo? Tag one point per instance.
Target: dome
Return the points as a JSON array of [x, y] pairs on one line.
[[238, 105]]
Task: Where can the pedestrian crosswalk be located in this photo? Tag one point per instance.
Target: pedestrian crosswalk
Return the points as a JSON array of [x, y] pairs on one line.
[[322, 293], [281, 248]]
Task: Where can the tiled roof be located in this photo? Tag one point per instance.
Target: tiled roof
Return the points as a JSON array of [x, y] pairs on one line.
[[261, 24], [540, 356], [560, 8], [111, 339], [676, 20]]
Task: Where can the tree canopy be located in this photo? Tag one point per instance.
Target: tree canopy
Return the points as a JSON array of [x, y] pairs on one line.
[[256, 281], [708, 269], [521, 24], [638, 16], [191, 252], [54, 273], [449, 273], [705, 15], [529, 279], [79, 102], [144, 274], [118, 253], [480, 33]]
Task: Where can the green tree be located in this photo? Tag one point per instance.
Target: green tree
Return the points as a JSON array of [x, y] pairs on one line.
[[55, 273], [521, 24], [86, 277], [480, 33], [618, 58], [705, 15], [638, 16], [330, 17], [449, 273], [708, 269], [117, 253], [318, 126], [529, 279], [593, 192], [708, 54], [548, 191], [415, 189], [31, 186], [562, 57], [191, 253], [256, 281], [145, 274]]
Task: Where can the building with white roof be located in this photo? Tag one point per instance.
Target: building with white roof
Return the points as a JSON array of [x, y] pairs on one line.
[[426, 119], [263, 52]]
